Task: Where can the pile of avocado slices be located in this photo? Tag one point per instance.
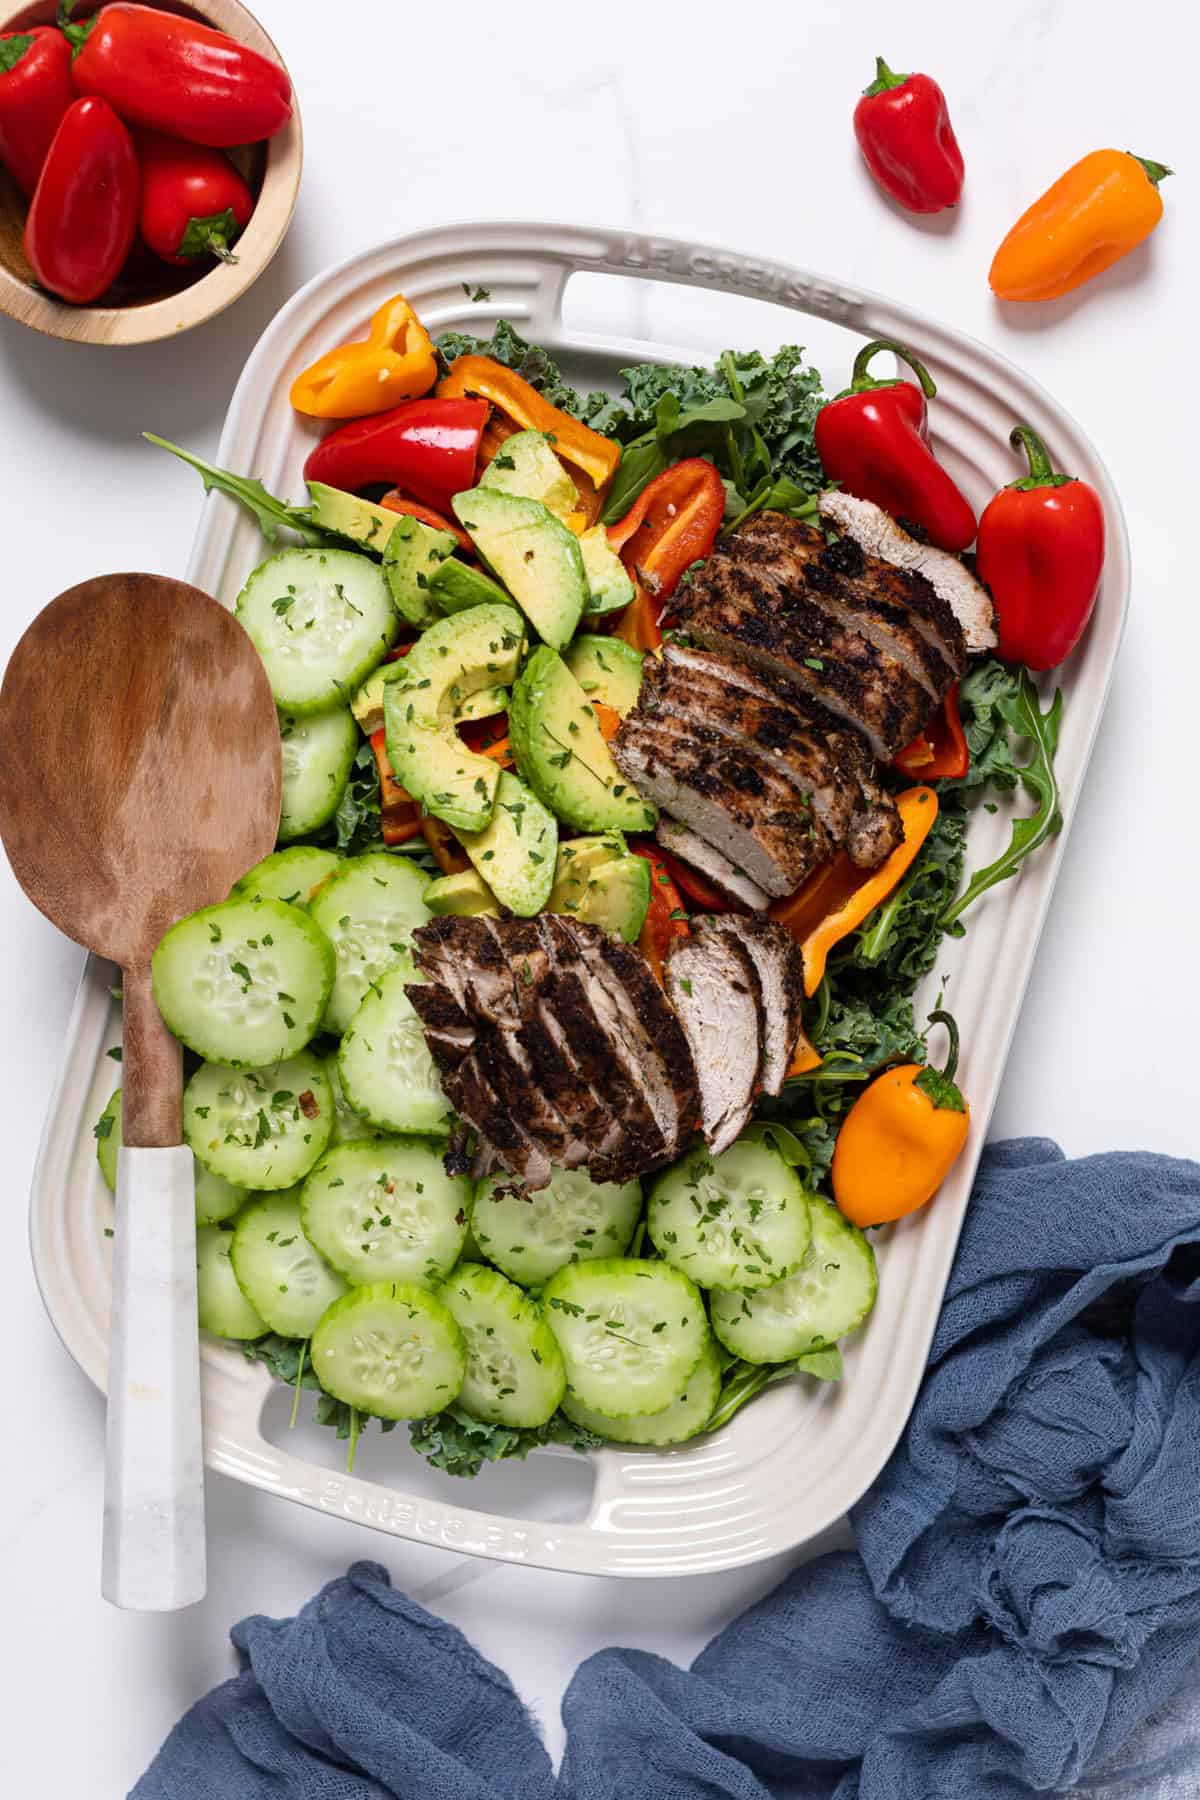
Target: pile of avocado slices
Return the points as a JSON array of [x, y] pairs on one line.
[[473, 660]]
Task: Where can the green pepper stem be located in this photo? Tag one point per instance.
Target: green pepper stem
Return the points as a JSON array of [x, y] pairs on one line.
[[861, 378], [938, 1017], [1155, 171], [885, 79], [1042, 472]]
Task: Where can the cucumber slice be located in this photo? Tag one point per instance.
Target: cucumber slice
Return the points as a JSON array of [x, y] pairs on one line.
[[631, 1332], [321, 620], [349, 1127], [244, 983], [391, 1349], [222, 1307], [739, 1220], [387, 1072], [386, 1211], [259, 1128], [285, 1280], [530, 1236], [830, 1295], [318, 753], [107, 1133], [682, 1419], [369, 911], [215, 1199], [515, 1373], [293, 875]]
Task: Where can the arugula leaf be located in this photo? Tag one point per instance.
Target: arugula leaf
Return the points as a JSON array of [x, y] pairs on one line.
[[677, 432], [452, 1440], [1022, 712], [250, 493], [742, 1381]]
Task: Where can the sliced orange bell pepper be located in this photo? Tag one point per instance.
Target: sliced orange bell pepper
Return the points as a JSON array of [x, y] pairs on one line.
[[575, 443], [637, 624], [608, 718], [804, 1058], [837, 897], [941, 751], [394, 362], [446, 850], [399, 815]]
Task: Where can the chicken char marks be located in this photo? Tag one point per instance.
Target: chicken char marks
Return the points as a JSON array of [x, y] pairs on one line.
[[869, 643], [559, 1048]]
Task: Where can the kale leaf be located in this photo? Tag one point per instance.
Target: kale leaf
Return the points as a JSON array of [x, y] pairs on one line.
[[452, 1440]]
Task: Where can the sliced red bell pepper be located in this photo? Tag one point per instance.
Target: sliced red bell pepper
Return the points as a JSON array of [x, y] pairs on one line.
[[83, 217], [176, 75], [672, 524], [941, 752], [665, 916], [35, 92], [874, 439], [397, 502], [426, 447]]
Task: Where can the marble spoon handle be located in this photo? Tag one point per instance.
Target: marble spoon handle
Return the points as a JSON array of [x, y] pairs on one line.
[[154, 1557]]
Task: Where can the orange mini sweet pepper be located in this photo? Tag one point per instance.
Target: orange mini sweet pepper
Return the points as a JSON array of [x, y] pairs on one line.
[[900, 1139], [394, 362], [1093, 215], [576, 444], [837, 897]]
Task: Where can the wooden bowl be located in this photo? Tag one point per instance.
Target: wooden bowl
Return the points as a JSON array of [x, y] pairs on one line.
[[150, 299]]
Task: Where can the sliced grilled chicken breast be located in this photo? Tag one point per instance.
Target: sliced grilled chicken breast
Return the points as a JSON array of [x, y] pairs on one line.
[[714, 987], [733, 883], [878, 535], [776, 956]]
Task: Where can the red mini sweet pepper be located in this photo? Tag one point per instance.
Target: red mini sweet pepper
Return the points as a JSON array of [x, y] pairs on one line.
[[428, 448], [1040, 551], [194, 202], [903, 128], [673, 523], [665, 916], [874, 439], [175, 75], [35, 92], [84, 212]]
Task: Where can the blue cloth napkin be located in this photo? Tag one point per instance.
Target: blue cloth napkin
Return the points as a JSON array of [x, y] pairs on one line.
[[1025, 1593]]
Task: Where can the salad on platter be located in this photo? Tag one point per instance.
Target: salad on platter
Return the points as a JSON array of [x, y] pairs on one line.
[[548, 1081]]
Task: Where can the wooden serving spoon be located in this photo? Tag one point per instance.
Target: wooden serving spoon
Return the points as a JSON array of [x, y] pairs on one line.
[[139, 778]]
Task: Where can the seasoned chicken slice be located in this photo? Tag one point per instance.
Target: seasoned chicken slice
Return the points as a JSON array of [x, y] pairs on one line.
[[878, 534], [714, 987], [777, 958], [733, 883]]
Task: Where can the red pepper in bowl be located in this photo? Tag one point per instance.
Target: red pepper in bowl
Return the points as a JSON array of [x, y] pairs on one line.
[[84, 213], [903, 128], [1041, 550], [874, 440], [426, 447], [175, 75], [35, 92], [194, 202]]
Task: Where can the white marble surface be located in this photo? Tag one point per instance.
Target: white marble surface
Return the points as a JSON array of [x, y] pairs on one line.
[[726, 125]]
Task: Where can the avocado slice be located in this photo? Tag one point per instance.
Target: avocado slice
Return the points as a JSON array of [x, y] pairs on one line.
[[517, 852], [525, 464], [532, 553], [413, 552], [609, 586], [366, 703], [465, 894], [560, 751], [454, 585], [456, 658], [607, 669], [365, 524], [599, 881]]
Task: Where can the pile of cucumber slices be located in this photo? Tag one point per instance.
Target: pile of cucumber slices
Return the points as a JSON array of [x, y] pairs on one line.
[[324, 1208]]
